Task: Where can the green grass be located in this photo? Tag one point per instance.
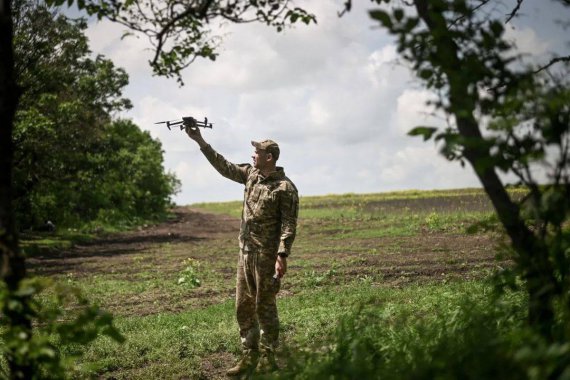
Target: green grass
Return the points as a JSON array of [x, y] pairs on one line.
[[309, 320], [154, 342], [435, 331], [33, 244], [346, 212], [334, 278], [348, 204]]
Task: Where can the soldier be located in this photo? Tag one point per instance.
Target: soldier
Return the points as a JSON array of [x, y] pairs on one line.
[[267, 231]]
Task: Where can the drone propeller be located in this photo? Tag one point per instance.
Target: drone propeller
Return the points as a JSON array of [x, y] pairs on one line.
[[185, 120]]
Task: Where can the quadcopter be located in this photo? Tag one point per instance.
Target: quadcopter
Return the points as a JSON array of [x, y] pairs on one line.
[[186, 120]]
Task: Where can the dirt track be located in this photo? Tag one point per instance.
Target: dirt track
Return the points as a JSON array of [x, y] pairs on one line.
[[187, 226], [160, 250]]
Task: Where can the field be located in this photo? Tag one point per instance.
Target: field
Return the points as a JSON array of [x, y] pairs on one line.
[[171, 286]]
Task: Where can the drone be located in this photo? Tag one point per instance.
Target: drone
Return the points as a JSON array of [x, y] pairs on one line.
[[186, 120]]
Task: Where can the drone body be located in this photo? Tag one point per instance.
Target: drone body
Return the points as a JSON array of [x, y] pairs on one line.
[[186, 120]]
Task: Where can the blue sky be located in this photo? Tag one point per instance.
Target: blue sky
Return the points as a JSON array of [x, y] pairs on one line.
[[331, 95]]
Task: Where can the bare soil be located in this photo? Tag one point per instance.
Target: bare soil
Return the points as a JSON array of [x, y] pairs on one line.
[[212, 238]]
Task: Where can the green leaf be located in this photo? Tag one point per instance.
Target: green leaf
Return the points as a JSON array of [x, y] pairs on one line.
[[399, 14], [425, 73], [126, 34], [25, 291], [425, 132], [411, 23], [383, 17], [497, 28]]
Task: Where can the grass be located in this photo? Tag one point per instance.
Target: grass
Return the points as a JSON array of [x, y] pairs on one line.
[[156, 340], [353, 205], [310, 319], [424, 332], [404, 257]]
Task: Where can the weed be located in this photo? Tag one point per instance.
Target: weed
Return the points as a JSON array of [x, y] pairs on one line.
[[313, 278], [189, 275], [448, 332], [433, 221]]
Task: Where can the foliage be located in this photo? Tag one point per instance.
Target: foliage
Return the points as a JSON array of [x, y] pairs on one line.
[[74, 164], [174, 331], [504, 116], [189, 275], [181, 32], [313, 279], [459, 335], [62, 317]]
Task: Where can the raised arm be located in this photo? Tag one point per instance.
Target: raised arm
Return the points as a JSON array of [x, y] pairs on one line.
[[229, 170]]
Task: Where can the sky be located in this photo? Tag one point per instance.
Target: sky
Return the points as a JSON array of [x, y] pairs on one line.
[[332, 95]]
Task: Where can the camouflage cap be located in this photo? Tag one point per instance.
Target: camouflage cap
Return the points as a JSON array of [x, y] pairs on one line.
[[269, 146]]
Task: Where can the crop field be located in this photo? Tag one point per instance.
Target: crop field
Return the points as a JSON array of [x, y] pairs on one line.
[[403, 255]]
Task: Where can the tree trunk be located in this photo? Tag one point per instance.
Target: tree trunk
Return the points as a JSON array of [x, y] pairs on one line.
[[532, 254], [13, 268]]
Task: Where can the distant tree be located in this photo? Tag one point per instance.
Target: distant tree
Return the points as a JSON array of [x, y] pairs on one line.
[[505, 117], [67, 99], [73, 164], [129, 180]]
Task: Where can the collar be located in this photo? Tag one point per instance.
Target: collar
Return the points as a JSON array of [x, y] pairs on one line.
[[279, 173]]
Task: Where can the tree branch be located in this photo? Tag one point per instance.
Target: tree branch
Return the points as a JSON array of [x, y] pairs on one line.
[[347, 8], [166, 28], [514, 12], [458, 19], [507, 211], [552, 62]]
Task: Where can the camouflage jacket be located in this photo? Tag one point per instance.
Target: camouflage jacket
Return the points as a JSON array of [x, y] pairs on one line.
[[270, 205]]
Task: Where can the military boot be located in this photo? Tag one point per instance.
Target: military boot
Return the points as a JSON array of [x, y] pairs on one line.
[[267, 362], [246, 364]]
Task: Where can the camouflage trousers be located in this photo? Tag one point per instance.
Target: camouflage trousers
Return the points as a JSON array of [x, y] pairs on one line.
[[256, 307]]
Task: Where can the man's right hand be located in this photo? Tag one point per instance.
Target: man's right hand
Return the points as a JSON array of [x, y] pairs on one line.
[[193, 132]]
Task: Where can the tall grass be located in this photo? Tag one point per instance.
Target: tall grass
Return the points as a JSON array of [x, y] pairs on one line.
[[459, 331]]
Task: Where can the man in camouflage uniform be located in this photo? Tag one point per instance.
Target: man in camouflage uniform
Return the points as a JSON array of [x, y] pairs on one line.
[[267, 231]]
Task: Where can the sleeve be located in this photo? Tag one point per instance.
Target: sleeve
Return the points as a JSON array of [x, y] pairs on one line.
[[229, 170], [289, 207]]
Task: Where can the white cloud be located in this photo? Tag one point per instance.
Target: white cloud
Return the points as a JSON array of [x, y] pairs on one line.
[[131, 52], [333, 95], [414, 111], [526, 40]]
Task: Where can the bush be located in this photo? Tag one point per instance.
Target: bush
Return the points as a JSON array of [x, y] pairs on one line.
[[61, 316], [474, 338]]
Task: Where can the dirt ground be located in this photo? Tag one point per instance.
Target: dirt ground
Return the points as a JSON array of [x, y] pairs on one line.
[[186, 225], [159, 251], [212, 238]]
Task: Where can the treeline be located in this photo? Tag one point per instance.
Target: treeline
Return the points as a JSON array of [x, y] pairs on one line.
[[74, 163]]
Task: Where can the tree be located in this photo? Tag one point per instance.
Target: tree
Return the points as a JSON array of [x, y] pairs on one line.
[[65, 111], [506, 117], [13, 269], [179, 32], [67, 99]]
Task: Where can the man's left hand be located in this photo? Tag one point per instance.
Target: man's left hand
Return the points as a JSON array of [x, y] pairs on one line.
[[281, 266]]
